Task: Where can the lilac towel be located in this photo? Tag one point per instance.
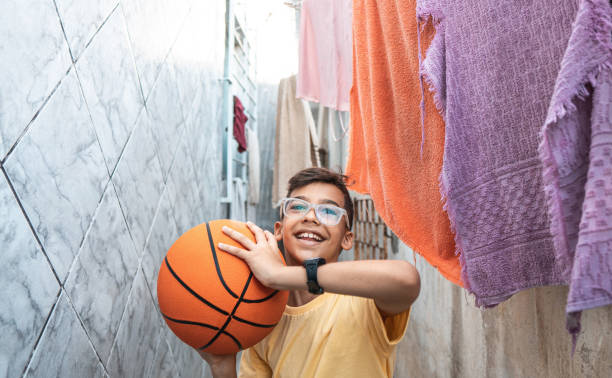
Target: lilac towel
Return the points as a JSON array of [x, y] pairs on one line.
[[576, 150], [493, 67], [496, 68]]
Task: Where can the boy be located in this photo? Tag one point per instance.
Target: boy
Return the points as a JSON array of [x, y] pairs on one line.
[[349, 331]]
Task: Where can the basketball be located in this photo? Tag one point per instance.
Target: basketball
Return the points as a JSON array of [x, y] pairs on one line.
[[209, 298]]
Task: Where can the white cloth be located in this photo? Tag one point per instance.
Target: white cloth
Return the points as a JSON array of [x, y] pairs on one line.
[[254, 166]]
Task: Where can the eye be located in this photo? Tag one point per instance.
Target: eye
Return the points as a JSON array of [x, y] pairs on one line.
[[297, 207], [329, 210]]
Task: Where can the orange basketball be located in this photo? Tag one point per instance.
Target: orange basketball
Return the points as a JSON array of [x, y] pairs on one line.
[[209, 298]]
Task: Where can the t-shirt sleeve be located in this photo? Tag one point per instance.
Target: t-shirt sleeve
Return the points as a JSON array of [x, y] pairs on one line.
[[392, 328], [252, 365]]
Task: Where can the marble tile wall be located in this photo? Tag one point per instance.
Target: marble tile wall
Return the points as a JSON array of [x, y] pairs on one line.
[[110, 148]]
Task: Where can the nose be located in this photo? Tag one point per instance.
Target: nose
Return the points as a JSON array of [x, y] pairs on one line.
[[311, 215]]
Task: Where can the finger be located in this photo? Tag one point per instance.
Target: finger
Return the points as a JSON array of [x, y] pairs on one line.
[[238, 252], [239, 237], [271, 240], [260, 237]]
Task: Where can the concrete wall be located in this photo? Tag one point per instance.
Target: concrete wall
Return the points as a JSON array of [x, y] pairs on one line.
[[110, 147], [523, 337]]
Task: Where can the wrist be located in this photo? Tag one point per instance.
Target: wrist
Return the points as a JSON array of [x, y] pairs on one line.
[[288, 278]]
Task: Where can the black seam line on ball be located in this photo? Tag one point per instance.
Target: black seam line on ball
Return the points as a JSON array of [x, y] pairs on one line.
[[192, 291], [253, 323], [260, 300], [190, 322], [229, 318], [214, 253], [202, 325], [218, 268]]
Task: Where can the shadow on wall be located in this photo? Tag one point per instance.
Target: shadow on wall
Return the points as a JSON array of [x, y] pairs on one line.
[[267, 95], [523, 337]]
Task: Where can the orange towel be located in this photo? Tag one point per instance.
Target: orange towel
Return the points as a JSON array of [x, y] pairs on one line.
[[385, 138]]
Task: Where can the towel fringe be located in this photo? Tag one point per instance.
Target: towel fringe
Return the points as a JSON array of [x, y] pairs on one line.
[[594, 17]]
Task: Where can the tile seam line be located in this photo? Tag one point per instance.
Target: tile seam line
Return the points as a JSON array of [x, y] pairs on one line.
[[31, 226], [42, 330]]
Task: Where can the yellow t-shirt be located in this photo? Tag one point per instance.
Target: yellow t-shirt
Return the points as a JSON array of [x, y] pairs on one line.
[[331, 336]]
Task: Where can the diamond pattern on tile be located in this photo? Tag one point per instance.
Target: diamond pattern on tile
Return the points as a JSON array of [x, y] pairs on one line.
[[167, 119], [108, 76], [35, 57], [59, 174], [81, 19], [149, 37], [28, 288], [106, 266], [137, 338], [138, 181], [64, 350], [163, 234]]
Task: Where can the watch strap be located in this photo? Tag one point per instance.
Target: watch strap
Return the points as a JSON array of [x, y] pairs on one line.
[[311, 266]]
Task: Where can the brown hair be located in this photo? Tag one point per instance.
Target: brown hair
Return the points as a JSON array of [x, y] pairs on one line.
[[311, 175]]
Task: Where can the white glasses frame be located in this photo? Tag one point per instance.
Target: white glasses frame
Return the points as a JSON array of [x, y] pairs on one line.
[[316, 208]]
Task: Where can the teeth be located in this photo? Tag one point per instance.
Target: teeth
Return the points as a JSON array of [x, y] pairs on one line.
[[310, 236]]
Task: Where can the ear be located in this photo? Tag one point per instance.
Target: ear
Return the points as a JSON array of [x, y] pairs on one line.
[[278, 231], [347, 240]]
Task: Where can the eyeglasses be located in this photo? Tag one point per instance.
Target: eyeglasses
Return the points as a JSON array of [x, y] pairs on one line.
[[327, 214]]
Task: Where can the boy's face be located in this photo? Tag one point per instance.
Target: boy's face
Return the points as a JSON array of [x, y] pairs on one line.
[[293, 230]]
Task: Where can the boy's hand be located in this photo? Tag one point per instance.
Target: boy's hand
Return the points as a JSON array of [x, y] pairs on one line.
[[221, 366], [263, 256]]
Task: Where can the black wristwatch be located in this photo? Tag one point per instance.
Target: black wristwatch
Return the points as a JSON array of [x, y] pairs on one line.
[[311, 266]]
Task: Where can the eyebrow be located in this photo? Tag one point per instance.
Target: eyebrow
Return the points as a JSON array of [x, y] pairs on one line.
[[324, 201]]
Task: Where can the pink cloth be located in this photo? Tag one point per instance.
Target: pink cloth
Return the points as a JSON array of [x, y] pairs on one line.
[[325, 61]]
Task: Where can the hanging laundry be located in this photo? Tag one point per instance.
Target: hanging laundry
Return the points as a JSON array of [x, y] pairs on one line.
[[240, 120], [292, 144], [238, 210], [385, 157], [330, 126], [493, 67], [325, 53], [576, 150], [254, 167]]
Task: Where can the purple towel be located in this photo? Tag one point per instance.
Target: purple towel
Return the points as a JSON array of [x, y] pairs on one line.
[[576, 150], [508, 75], [493, 67]]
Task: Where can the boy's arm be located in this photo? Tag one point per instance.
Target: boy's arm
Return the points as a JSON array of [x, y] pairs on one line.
[[221, 366], [393, 284]]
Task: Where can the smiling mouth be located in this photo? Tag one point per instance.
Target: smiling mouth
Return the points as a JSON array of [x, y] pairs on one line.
[[309, 236]]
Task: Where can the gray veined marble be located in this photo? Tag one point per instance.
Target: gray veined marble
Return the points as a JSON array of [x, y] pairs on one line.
[[110, 84], [210, 187], [174, 16], [59, 174], [28, 287], [183, 190], [204, 125], [167, 119], [81, 19], [149, 38], [188, 361], [100, 281], [35, 57], [138, 181], [64, 350], [164, 363], [189, 54], [163, 234], [134, 349]]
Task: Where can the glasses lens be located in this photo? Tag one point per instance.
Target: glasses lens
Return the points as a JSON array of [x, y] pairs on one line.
[[296, 207], [329, 214]]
